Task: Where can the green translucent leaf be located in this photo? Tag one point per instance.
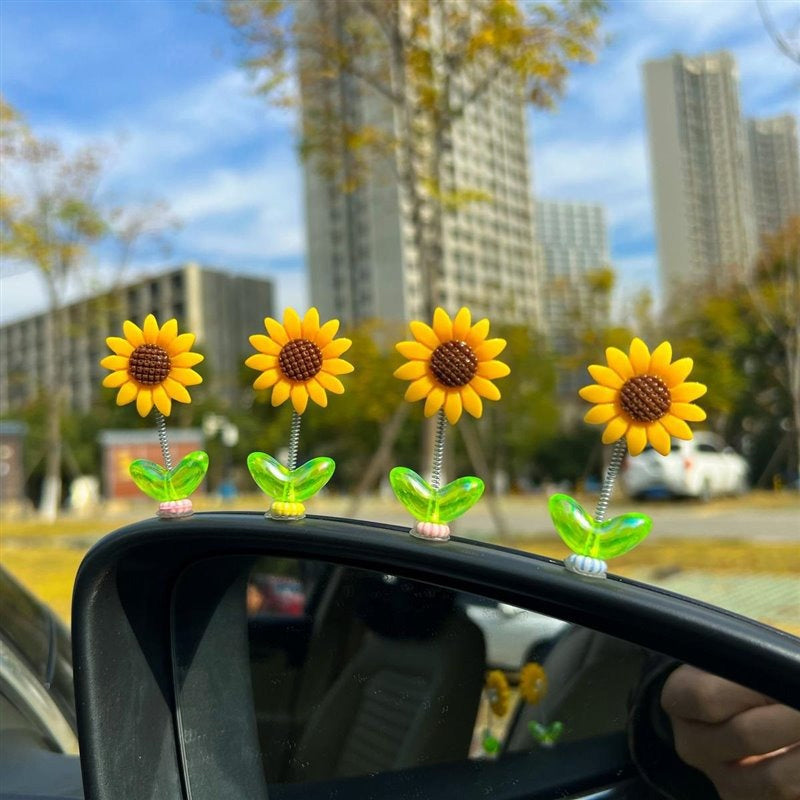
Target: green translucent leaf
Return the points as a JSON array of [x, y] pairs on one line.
[[587, 537], [175, 484], [290, 486], [427, 504], [546, 734], [491, 744]]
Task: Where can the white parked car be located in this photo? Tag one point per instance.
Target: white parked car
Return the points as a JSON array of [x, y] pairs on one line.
[[702, 467]]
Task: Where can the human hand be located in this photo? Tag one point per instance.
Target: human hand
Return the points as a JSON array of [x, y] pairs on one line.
[[747, 744]]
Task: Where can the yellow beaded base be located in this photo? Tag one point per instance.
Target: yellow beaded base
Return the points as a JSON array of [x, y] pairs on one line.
[[280, 509]]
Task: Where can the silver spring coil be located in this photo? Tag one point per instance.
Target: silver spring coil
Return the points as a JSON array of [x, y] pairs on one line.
[[161, 427], [438, 451], [294, 440], [614, 464]]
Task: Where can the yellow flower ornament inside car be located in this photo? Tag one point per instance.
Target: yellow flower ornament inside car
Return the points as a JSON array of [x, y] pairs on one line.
[[497, 692], [644, 397]]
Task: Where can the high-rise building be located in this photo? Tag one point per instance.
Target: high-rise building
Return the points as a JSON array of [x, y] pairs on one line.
[[574, 241], [775, 170], [222, 310], [361, 254], [699, 165]]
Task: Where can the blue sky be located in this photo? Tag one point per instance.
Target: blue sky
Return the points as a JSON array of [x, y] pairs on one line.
[[158, 80]]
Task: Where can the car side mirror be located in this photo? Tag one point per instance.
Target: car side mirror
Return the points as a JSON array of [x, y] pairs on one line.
[[191, 638]]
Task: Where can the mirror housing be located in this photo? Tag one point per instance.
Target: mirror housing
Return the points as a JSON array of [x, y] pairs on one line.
[[123, 624]]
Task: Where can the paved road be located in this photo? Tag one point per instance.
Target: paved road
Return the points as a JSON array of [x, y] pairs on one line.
[[725, 519]]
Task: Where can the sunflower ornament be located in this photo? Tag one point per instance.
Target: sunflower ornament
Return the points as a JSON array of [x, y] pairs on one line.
[[643, 399], [451, 365], [498, 700], [299, 360], [153, 366]]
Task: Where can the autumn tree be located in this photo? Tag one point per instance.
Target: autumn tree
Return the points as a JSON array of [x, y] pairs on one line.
[[51, 217]]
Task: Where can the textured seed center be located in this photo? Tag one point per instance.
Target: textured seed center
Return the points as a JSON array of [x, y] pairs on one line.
[[300, 360], [645, 398], [454, 363], [149, 364]]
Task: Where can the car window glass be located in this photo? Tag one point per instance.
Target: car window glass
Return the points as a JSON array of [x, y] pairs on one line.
[[360, 673]]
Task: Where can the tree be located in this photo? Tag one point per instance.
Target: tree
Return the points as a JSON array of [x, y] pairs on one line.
[[428, 62], [50, 218]]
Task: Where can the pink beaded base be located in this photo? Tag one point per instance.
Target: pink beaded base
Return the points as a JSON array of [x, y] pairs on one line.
[[432, 531], [175, 508]]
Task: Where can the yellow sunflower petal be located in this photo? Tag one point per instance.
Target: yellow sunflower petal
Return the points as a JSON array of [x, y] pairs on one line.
[[336, 348], [492, 369], [600, 414], [615, 429], [177, 391], [677, 372], [411, 370], [115, 362], [471, 401], [442, 325], [133, 333], [261, 362], [187, 359], [660, 358], [619, 362], [276, 331], [299, 397], [144, 401], [127, 393], [310, 324], [605, 376], [292, 324], [122, 347], [686, 392], [434, 401], [461, 324], [150, 329], [489, 349], [477, 333], [452, 407], [169, 330], [637, 435], [659, 438], [414, 351], [594, 393], [180, 344], [330, 383], [640, 360], [336, 366], [265, 345], [188, 377], [424, 334], [485, 388], [687, 411], [281, 392], [115, 379], [327, 332], [676, 427], [266, 379], [317, 393], [419, 389], [161, 400]]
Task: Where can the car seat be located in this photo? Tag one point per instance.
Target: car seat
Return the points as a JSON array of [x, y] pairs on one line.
[[409, 695]]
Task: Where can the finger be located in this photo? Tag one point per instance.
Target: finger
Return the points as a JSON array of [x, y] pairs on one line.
[[774, 778], [691, 694], [754, 732]]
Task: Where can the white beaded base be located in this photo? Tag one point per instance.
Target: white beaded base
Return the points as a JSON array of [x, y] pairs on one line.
[[586, 565], [431, 531]]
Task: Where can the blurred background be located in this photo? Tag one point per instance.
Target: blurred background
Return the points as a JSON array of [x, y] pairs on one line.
[[579, 172]]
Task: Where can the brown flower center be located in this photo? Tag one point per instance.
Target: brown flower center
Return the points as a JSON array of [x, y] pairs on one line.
[[454, 363], [645, 398], [300, 360], [149, 364]]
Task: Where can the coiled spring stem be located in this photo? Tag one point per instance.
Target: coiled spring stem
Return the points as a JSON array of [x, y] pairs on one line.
[[617, 454], [161, 426], [438, 451], [294, 440]]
